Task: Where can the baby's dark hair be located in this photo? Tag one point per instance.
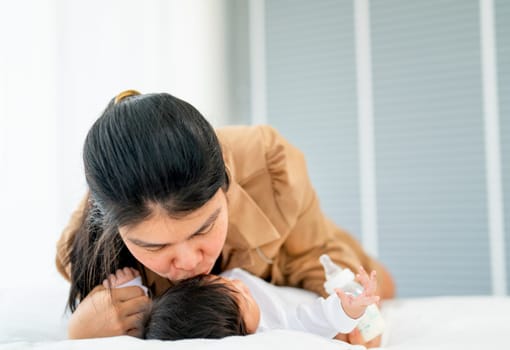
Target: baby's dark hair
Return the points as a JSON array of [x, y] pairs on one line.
[[199, 307]]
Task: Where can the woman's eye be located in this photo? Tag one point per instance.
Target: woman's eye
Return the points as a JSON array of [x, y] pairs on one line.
[[154, 249], [205, 230]]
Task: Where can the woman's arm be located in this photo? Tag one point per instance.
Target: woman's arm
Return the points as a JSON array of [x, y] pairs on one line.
[[311, 233]]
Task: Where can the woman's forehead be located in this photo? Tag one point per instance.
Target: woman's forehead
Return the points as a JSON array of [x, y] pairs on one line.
[[162, 227]]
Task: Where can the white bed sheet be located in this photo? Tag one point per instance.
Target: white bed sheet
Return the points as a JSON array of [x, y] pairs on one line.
[[35, 320]]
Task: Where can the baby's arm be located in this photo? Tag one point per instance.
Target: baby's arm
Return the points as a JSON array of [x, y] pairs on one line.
[[339, 313], [124, 278], [120, 277], [355, 306]]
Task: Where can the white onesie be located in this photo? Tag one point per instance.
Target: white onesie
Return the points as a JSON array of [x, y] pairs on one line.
[[324, 317]]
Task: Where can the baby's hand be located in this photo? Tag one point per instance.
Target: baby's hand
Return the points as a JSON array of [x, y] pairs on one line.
[[354, 306], [120, 277]]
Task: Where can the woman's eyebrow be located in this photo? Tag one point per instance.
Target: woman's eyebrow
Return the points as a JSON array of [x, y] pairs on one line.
[[145, 244], [207, 222]]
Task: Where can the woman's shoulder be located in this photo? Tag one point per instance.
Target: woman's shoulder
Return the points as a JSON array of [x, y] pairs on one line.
[[251, 150], [244, 150], [269, 169], [246, 135]]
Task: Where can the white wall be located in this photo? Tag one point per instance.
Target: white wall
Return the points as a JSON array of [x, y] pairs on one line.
[[61, 62], [395, 106], [28, 181]]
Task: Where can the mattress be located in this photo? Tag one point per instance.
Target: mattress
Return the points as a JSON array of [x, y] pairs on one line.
[[36, 319]]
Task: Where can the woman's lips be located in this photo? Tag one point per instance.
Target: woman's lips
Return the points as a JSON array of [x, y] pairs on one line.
[[185, 275]]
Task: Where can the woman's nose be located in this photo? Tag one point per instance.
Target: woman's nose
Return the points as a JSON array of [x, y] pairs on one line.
[[187, 258]]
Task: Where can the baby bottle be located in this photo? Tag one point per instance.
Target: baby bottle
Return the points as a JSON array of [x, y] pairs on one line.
[[371, 324]]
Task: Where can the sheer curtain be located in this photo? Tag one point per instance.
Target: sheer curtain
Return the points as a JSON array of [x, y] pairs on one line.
[[60, 63]]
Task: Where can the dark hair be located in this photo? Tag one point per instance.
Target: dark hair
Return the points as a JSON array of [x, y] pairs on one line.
[[199, 307], [145, 151], [94, 254]]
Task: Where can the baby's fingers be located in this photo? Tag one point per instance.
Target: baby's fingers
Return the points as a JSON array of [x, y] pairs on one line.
[[369, 300], [371, 287], [109, 282], [363, 277], [369, 283], [346, 299]]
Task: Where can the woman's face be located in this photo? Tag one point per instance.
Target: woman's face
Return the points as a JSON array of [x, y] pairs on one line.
[[180, 248]]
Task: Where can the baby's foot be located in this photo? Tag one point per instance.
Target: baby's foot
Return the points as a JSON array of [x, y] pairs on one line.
[[120, 277]]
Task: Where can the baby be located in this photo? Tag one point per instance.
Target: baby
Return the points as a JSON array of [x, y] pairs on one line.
[[238, 303]]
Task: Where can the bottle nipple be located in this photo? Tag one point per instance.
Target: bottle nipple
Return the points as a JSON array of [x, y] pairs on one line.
[[330, 267]]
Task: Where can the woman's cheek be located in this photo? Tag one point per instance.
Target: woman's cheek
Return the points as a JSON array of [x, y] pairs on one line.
[[147, 259], [223, 230]]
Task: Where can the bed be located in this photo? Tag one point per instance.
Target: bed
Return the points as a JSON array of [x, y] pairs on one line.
[[35, 319]]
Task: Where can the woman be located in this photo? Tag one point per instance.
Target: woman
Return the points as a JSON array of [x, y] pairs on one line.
[[173, 198]]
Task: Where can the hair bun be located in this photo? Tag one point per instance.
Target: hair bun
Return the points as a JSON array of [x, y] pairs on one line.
[[124, 94]]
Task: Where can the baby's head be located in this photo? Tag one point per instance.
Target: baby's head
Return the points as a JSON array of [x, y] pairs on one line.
[[202, 307]]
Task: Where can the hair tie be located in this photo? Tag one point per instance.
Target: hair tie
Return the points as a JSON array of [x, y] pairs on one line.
[[124, 94]]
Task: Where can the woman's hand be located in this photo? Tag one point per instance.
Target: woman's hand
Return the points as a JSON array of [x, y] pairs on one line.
[[109, 312]]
